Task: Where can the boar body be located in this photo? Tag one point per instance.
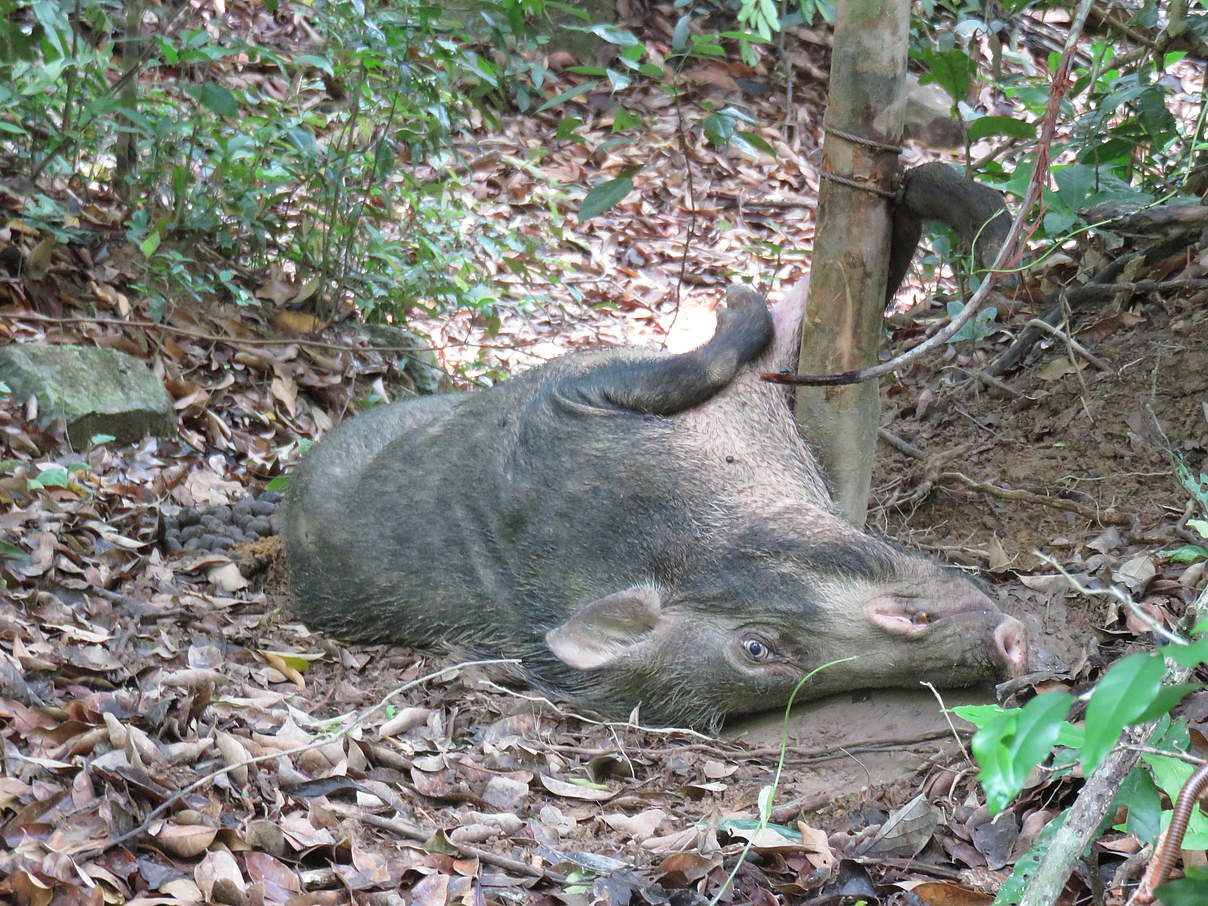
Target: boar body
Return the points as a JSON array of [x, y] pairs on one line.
[[639, 528]]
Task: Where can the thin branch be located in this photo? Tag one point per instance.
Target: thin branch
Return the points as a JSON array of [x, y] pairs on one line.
[[1007, 254]]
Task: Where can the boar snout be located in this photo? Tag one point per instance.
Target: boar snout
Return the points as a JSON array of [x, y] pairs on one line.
[[1011, 645], [976, 617]]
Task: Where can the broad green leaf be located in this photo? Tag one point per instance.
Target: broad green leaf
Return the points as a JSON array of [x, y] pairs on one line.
[[719, 128], [55, 477], [679, 37], [618, 80], [278, 483], [150, 244], [1184, 892], [1191, 655], [979, 715], [1188, 553], [622, 119], [1075, 183], [985, 126], [1122, 694], [566, 127], [604, 196], [11, 551], [318, 62], [1166, 698], [614, 35], [950, 69], [215, 97], [1019, 739], [1144, 802], [1200, 525]]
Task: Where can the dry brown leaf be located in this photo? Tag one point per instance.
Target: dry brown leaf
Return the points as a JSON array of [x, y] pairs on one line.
[[185, 840], [943, 893], [575, 790], [640, 826]]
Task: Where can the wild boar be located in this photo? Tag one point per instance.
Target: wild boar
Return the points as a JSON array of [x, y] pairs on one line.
[[639, 528]]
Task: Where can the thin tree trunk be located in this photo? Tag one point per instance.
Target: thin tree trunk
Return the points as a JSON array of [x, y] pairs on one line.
[[842, 329]]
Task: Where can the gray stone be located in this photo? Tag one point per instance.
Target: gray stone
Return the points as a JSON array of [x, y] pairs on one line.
[[96, 391]]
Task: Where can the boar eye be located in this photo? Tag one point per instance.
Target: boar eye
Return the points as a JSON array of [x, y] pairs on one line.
[[756, 650]]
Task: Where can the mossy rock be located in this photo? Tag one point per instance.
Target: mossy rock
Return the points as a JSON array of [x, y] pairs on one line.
[[94, 390]]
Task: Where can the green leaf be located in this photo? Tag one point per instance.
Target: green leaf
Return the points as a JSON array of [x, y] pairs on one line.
[[1188, 553], [1140, 795], [278, 483], [623, 119], [1122, 694], [980, 327], [1200, 525], [1166, 698], [679, 37], [756, 141], [1190, 655], [1184, 892], [1075, 183], [55, 477], [614, 35], [318, 62], [214, 97], [604, 196], [719, 128], [1019, 739], [572, 92], [950, 69], [150, 244], [618, 80], [11, 552], [985, 126], [566, 127]]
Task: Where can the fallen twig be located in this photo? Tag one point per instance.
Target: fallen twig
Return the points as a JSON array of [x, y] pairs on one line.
[[1070, 342], [1030, 497]]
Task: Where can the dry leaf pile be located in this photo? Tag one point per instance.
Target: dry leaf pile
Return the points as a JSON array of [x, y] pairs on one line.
[[169, 735]]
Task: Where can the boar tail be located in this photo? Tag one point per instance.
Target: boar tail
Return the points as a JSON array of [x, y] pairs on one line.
[[665, 385]]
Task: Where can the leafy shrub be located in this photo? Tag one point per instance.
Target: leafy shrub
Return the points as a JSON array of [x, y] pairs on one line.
[[338, 160]]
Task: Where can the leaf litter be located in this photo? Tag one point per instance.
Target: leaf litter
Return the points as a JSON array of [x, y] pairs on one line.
[[166, 702]]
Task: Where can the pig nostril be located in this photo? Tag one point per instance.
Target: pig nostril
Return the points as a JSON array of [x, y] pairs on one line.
[[1010, 637]]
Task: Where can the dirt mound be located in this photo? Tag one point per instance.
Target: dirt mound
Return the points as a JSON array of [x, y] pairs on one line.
[[1072, 451]]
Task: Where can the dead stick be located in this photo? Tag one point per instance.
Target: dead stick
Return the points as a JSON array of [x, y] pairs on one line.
[[411, 832], [1029, 497], [1070, 342]]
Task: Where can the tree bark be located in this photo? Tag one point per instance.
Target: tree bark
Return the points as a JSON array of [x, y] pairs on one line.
[[842, 327]]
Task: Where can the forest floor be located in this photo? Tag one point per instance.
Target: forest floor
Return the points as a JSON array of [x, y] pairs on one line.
[[171, 735]]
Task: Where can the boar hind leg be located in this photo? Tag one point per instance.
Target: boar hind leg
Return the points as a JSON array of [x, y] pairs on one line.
[[665, 385]]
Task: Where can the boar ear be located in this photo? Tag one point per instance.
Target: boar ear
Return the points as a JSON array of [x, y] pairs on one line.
[[665, 385], [604, 630]]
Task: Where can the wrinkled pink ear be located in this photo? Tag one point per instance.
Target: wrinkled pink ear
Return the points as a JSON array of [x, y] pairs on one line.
[[606, 629]]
